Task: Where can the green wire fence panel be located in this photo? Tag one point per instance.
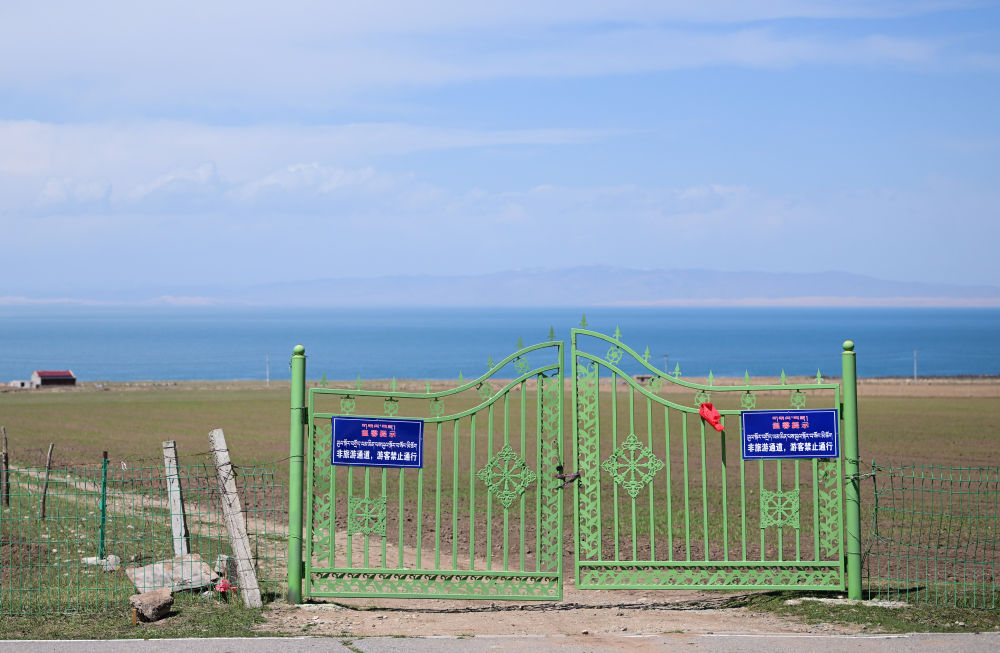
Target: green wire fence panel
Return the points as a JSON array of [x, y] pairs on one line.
[[664, 503], [935, 535], [119, 516], [481, 519]]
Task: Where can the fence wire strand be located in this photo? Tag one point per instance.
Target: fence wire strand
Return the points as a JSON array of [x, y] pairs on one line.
[[44, 565], [934, 535]]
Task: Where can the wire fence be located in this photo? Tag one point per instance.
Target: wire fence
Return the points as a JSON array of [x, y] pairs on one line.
[[935, 535], [85, 538]]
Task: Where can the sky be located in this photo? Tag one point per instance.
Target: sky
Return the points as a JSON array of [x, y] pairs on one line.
[[168, 145]]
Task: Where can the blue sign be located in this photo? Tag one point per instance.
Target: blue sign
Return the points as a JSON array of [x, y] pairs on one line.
[[377, 442], [769, 434]]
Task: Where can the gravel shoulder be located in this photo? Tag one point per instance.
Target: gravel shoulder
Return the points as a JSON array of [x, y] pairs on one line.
[[588, 612]]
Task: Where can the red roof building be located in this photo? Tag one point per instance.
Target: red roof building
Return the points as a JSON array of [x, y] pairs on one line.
[[41, 378]]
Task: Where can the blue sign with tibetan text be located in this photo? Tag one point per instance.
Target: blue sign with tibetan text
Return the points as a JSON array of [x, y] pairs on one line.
[[769, 434], [377, 442]]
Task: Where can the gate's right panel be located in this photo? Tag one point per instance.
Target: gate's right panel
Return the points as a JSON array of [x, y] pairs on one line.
[[666, 501]]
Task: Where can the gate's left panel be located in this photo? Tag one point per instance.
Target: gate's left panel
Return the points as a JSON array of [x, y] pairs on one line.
[[481, 518]]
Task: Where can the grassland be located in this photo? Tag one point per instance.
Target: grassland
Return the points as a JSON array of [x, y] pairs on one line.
[[943, 422], [947, 423]]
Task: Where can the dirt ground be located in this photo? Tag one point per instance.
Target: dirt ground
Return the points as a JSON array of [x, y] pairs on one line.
[[587, 612], [581, 612]]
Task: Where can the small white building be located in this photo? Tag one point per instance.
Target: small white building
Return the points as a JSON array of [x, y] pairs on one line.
[[20, 384], [45, 378]]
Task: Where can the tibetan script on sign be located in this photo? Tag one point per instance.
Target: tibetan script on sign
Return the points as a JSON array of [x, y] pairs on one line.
[[377, 442], [790, 434]]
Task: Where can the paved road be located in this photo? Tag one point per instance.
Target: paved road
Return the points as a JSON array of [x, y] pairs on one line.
[[715, 643]]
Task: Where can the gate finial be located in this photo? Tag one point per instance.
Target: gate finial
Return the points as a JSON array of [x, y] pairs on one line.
[[552, 333], [583, 321]]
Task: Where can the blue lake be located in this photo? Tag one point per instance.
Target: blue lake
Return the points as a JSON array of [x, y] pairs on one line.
[[127, 344]]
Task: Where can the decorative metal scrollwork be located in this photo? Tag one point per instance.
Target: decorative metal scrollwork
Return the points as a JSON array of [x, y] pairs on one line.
[[366, 516], [779, 508], [632, 465], [347, 405], [391, 407], [507, 476]]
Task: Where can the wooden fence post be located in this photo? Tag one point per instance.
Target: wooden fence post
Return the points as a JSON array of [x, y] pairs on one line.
[[45, 486], [177, 521], [233, 512]]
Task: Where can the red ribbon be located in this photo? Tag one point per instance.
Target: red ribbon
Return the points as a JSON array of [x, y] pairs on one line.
[[711, 415]]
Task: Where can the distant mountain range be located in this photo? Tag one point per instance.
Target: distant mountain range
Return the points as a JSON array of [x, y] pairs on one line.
[[599, 285], [595, 285]]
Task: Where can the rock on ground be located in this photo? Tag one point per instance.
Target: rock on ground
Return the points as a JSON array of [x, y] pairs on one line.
[[153, 605], [185, 572]]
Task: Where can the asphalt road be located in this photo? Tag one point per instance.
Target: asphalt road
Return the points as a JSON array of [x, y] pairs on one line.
[[710, 643]]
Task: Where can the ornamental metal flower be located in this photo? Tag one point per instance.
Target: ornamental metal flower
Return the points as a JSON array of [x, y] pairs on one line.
[[506, 475], [366, 516], [779, 508], [632, 465]]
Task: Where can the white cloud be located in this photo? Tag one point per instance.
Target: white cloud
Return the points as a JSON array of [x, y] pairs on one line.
[[225, 56], [416, 227], [200, 179], [165, 166], [141, 148], [60, 193], [302, 178]]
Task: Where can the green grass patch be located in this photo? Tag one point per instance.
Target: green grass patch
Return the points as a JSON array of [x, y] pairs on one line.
[[873, 618], [197, 620], [41, 568]]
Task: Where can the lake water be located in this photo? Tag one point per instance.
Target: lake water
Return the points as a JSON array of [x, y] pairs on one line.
[[127, 344]]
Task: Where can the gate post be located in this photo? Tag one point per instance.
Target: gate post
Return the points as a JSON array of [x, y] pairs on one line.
[[295, 470], [852, 493]]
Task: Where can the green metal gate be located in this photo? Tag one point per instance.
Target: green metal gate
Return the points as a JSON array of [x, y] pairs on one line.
[[481, 519], [662, 503]]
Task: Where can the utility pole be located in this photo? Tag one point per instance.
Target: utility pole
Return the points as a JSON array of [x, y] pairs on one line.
[[914, 367], [267, 372], [666, 358]]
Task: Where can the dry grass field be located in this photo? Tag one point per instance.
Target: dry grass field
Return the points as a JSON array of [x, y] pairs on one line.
[[948, 422], [937, 421]]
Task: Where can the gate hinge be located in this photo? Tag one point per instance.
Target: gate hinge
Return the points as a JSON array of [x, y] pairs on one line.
[[567, 479]]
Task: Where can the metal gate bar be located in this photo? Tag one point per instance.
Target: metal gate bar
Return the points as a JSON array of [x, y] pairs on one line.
[[657, 511], [465, 524]]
